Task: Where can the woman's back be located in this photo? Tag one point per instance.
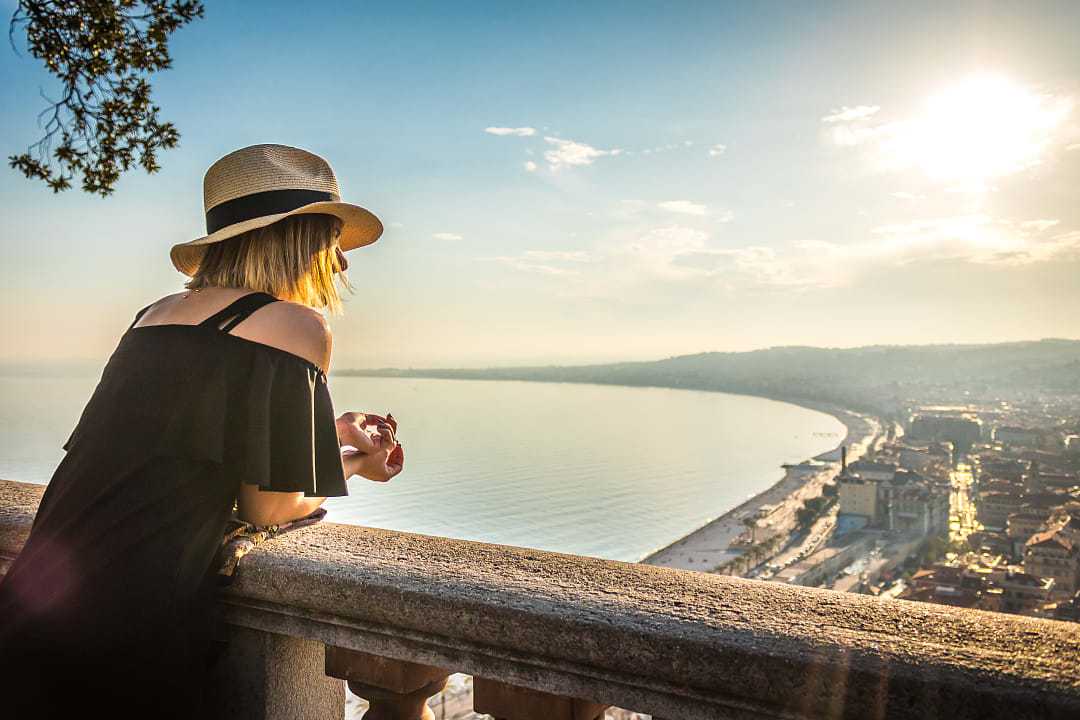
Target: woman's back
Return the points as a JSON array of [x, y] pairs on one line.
[[113, 591]]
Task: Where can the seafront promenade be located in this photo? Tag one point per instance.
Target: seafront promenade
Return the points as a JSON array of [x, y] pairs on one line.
[[711, 545]]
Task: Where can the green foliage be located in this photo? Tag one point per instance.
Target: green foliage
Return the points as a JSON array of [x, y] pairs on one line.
[[934, 549], [103, 52], [959, 547], [812, 509]]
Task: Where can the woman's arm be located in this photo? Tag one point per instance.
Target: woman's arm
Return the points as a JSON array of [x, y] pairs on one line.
[[381, 458], [302, 331], [265, 507]]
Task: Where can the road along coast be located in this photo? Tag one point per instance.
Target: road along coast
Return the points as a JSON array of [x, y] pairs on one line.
[[710, 546]]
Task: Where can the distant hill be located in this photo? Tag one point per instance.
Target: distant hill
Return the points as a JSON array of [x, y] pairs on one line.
[[871, 378]]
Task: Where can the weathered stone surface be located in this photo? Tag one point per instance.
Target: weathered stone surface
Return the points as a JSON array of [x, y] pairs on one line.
[[508, 702], [18, 505], [395, 689], [667, 642], [398, 676]]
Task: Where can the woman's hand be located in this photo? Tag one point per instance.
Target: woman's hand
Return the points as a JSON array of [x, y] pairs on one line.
[[378, 456]]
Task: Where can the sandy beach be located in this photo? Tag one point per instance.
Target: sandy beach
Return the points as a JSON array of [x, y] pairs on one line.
[[709, 546]]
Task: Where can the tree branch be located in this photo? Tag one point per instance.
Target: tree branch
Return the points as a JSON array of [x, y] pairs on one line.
[[104, 52]]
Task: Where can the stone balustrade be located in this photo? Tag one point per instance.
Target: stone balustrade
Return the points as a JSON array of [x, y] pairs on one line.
[[550, 636]]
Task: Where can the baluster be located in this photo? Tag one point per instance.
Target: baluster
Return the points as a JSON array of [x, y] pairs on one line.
[[511, 702], [394, 689], [268, 676]]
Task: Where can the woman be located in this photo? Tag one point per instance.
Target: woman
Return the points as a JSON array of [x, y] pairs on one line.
[[214, 398]]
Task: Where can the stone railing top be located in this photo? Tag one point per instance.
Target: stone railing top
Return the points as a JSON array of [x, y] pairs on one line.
[[672, 643]]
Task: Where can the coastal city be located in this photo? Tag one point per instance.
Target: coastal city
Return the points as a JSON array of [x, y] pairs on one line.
[[973, 504]]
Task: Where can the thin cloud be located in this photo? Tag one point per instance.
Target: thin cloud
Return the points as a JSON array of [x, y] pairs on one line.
[[717, 150], [688, 256], [563, 255], [534, 267], [851, 114], [1038, 225], [519, 132], [447, 236], [975, 238], [571, 153], [684, 207], [522, 264], [530, 166], [544, 262]]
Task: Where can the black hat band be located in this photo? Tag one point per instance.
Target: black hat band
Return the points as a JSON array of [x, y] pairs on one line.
[[270, 202]]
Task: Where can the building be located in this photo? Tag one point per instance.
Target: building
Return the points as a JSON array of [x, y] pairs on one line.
[[1042, 481], [857, 496], [1011, 435], [916, 508], [994, 543], [925, 458], [1051, 554], [875, 471], [1067, 524], [962, 431], [984, 583], [1047, 501], [994, 506], [909, 502], [857, 490], [946, 584], [1019, 592], [994, 466], [998, 499], [1021, 525], [891, 499]]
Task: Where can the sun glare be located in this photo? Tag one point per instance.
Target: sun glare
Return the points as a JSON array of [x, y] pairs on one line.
[[982, 128]]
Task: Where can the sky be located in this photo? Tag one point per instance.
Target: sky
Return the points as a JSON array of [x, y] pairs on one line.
[[591, 182]]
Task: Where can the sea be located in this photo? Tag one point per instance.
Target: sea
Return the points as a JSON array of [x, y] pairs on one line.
[[600, 470]]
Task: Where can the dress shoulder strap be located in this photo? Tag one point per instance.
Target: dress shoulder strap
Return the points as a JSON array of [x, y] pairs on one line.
[[238, 310], [139, 315]]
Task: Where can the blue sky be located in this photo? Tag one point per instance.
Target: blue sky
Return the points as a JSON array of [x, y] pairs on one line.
[[587, 182]]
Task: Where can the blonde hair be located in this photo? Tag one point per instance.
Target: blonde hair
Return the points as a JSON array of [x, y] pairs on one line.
[[294, 258]]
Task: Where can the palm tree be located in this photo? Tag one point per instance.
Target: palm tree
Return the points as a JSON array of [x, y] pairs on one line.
[[751, 523]]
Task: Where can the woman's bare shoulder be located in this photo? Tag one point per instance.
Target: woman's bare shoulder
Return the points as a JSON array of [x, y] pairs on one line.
[[292, 327]]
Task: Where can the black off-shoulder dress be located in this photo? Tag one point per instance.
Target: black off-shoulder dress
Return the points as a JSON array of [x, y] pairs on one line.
[[111, 603]]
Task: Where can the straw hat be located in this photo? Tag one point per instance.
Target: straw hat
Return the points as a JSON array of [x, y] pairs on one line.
[[261, 184]]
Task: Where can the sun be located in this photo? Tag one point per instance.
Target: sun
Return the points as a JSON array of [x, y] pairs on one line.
[[981, 128]]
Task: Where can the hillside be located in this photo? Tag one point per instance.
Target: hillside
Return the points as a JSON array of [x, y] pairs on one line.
[[864, 377]]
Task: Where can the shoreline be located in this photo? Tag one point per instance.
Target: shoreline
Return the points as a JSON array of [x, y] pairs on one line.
[[709, 545]]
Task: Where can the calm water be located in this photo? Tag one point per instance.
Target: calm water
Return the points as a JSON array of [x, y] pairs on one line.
[[612, 472]]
